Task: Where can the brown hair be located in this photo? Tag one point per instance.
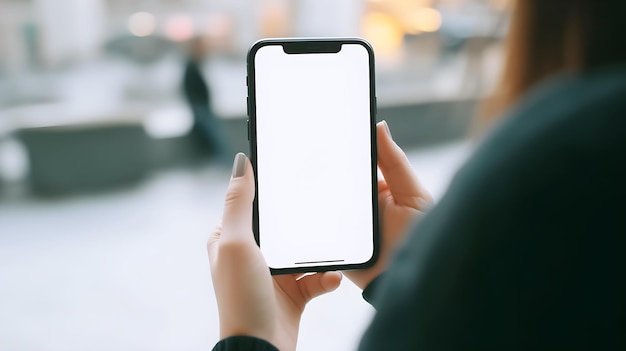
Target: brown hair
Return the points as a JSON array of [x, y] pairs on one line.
[[550, 36]]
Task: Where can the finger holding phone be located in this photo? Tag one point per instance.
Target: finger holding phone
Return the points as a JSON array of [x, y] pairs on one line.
[[401, 201], [250, 301]]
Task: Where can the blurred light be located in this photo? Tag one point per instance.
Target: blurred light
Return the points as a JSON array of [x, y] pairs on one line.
[[219, 30], [383, 32], [426, 20], [500, 5], [219, 25], [275, 20], [141, 24], [179, 28]]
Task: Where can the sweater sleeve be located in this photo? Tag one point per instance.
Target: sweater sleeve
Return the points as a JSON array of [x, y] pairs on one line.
[[369, 293], [243, 343]]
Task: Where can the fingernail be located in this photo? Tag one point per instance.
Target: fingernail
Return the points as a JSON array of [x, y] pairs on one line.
[[387, 128], [239, 166]]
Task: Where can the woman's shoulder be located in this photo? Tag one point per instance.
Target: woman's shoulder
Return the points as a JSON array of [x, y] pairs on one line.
[[565, 120], [565, 107]]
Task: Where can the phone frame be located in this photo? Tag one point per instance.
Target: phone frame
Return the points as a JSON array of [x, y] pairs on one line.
[[305, 46]]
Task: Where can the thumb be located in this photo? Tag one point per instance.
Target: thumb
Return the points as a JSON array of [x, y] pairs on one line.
[[317, 284], [237, 218]]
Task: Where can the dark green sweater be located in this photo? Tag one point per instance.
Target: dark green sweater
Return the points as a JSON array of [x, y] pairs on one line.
[[527, 249]]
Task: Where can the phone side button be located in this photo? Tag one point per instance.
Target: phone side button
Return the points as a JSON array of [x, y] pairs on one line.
[[248, 127], [248, 106], [375, 106]]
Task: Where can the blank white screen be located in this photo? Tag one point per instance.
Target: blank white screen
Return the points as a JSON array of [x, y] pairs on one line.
[[314, 156]]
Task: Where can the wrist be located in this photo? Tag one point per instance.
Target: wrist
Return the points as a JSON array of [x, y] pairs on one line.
[[370, 291]]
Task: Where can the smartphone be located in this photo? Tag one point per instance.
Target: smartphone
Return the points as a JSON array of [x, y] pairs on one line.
[[312, 112]]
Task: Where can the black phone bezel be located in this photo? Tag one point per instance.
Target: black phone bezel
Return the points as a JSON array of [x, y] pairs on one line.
[[302, 46]]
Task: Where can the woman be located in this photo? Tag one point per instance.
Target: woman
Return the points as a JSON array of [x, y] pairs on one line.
[[525, 249]]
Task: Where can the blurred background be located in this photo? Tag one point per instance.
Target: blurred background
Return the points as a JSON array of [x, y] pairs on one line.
[[111, 179]]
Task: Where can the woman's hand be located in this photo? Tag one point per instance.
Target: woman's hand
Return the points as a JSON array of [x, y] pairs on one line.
[[250, 301], [401, 199]]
